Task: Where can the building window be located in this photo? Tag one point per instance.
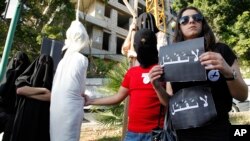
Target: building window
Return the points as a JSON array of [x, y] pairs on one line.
[[119, 42], [107, 11], [123, 21], [105, 43], [121, 2]]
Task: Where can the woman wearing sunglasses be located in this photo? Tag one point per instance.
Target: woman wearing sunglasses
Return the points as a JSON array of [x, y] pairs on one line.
[[229, 83]]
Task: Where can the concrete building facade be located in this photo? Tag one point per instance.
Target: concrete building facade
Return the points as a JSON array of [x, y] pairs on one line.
[[107, 25]]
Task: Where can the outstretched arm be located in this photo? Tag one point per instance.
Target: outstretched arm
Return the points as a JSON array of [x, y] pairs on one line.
[[38, 93], [110, 100]]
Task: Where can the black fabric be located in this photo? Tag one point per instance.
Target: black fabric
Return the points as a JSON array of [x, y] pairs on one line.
[[145, 46], [182, 58], [16, 66], [167, 133], [38, 74], [3, 119], [217, 131], [32, 117], [186, 105], [221, 95], [147, 20], [156, 133]]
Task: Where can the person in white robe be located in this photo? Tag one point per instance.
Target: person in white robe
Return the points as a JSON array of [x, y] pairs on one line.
[[67, 102]]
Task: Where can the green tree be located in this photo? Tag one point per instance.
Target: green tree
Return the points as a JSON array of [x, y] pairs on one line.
[[229, 19], [38, 19], [99, 67], [4, 27], [242, 41], [113, 115]]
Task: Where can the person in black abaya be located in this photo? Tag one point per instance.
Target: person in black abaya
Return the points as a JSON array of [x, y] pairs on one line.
[[16, 66], [33, 90]]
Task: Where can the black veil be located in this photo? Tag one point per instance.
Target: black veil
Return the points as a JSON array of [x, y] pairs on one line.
[[16, 66], [32, 117]]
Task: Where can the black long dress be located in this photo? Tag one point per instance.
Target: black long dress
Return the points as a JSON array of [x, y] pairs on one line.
[[32, 117], [16, 66]]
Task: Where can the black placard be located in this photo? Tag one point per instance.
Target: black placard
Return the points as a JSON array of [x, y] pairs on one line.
[[181, 61]]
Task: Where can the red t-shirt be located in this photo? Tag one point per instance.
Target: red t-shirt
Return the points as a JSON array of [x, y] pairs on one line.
[[144, 105]]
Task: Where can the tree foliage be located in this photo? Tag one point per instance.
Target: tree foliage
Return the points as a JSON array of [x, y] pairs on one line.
[[99, 67], [230, 21], [45, 18], [113, 115], [38, 19]]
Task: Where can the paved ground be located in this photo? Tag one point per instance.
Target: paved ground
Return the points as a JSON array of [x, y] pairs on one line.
[[89, 126], [92, 130]]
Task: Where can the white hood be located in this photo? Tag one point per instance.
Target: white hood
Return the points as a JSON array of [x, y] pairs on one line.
[[77, 38]]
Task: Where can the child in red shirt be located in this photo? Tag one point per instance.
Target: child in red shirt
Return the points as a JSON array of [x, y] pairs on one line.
[[144, 105]]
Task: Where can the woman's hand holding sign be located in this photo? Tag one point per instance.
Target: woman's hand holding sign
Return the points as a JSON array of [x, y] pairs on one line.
[[214, 61], [154, 75]]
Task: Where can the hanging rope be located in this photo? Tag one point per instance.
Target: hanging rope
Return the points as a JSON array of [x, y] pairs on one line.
[[78, 9], [76, 35]]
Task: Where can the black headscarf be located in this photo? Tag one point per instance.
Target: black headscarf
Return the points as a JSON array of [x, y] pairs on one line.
[[147, 20], [32, 116], [145, 46], [38, 74], [16, 66]]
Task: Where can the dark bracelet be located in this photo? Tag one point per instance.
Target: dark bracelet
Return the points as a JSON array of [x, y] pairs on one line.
[[234, 76]]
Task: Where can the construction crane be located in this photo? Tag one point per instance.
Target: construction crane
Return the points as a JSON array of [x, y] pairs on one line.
[[157, 8], [161, 9]]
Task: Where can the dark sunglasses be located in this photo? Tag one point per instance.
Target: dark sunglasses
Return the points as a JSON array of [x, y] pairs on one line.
[[185, 19]]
